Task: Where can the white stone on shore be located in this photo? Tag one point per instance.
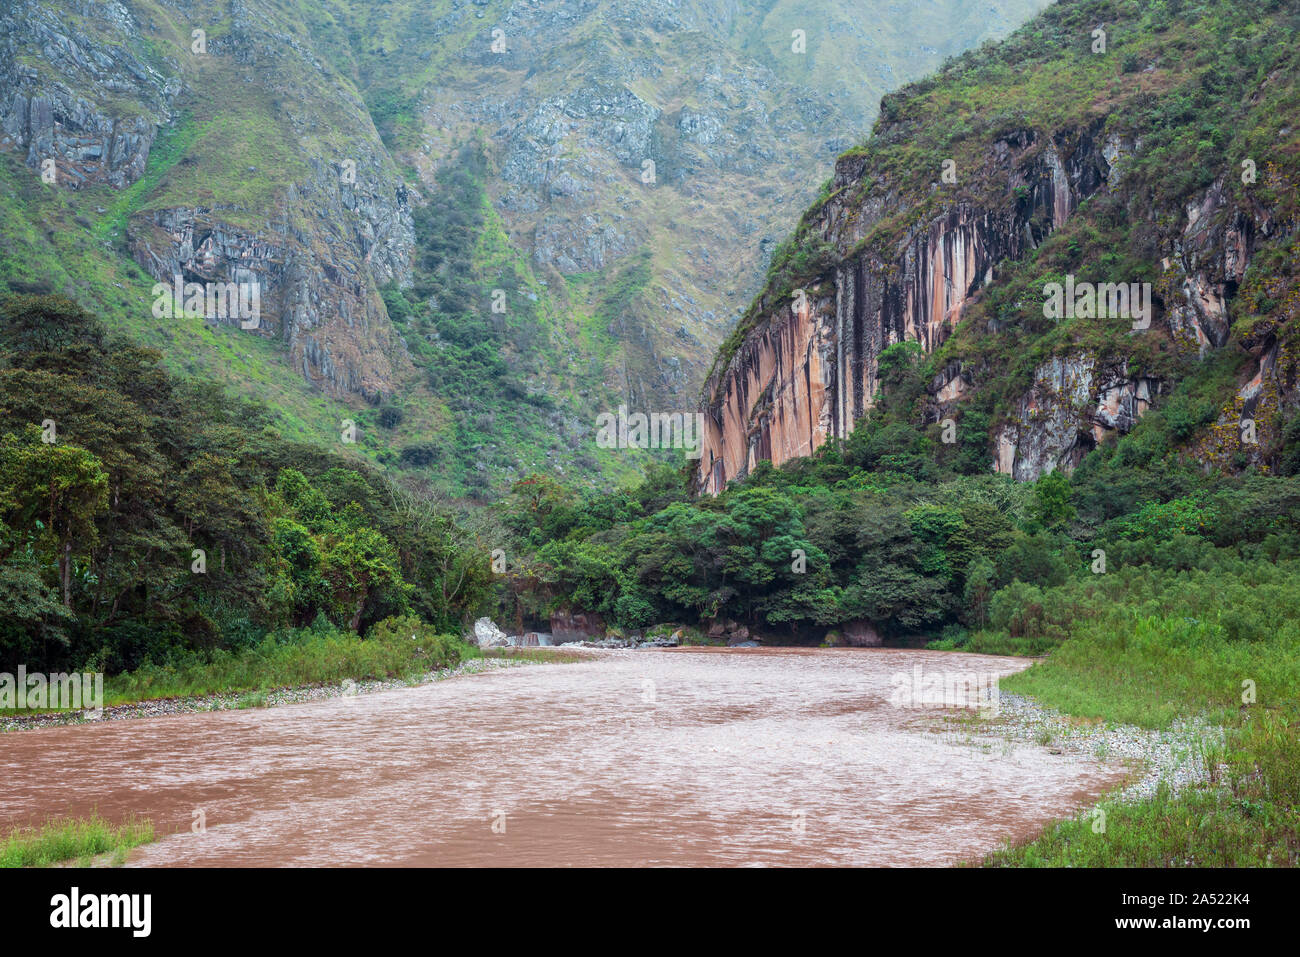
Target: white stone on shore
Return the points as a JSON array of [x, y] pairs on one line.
[[488, 635]]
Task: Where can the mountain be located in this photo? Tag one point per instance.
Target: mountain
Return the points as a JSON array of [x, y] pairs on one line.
[[1120, 153], [472, 225]]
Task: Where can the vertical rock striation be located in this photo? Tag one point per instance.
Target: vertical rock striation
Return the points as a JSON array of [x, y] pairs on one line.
[[806, 368], [805, 375]]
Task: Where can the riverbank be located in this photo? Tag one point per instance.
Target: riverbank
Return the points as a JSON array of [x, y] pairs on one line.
[[76, 841], [264, 691], [1210, 722]]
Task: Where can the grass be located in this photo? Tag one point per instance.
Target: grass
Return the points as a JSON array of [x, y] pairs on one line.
[[73, 840], [300, 660], [1126, 666], [1200, 828], [304, 659]]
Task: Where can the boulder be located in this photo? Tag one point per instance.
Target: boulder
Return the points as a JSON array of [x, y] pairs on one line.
[[488, 635], [717, 630]]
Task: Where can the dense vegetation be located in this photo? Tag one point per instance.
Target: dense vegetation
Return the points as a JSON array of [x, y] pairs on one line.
[[145, 518], [905, 531], [1160, 642], [476, 326]]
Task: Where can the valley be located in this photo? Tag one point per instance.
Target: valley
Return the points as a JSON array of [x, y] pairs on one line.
[[635, 398]]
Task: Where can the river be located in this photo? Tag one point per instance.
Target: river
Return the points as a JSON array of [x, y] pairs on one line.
[[685, 757]]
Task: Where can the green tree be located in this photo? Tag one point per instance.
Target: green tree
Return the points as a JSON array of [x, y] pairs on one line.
[[57, 491]]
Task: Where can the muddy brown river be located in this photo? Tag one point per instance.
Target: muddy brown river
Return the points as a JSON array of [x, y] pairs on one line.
[[690, 757]]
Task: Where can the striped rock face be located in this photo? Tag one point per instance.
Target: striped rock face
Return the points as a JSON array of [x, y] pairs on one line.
[[808, 368]]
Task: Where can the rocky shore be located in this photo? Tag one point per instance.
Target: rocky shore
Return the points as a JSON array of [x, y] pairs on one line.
[[487, 634], [1178, 756], [251, 699]]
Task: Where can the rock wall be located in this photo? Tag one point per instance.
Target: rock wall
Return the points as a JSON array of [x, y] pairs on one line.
[[92, 92], [79, 96], [807, 369], [1073, 405]]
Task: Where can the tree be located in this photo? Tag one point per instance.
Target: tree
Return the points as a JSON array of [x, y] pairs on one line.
[[979, 588], [41, 324], [1053, 493], [365, 583], [56, 491]]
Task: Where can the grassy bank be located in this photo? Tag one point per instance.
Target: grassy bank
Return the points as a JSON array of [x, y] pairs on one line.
[[401, 649], [307, 657], [73, 840], [1153, 645]]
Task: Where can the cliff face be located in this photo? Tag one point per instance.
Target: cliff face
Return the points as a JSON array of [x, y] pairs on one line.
[[640, 158], [692, 130], [808, 370], [306, 204], [61, 89], [901, 254]]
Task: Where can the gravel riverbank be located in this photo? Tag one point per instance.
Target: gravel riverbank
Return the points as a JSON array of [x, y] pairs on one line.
[[1176, 756], [248, 699]]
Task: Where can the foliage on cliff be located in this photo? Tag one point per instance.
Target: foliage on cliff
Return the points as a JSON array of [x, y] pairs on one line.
[[1190, 97]]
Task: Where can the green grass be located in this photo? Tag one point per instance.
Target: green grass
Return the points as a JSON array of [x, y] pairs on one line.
[[76, 840], [1247, 817], [305, 659], [1226, 646], [172, 143]]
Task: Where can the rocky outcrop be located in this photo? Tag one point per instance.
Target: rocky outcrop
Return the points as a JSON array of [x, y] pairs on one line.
[[318, 293], [1208, 263], [487, 635], [94, 91], [808, 370], [78, 96], [1073, 406]]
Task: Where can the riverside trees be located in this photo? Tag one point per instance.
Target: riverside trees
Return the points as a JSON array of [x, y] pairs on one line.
[[142, 514]]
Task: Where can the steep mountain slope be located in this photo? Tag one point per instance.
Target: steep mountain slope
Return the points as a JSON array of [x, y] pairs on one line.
[[628, 170], [690, 133], [1151, 149]]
